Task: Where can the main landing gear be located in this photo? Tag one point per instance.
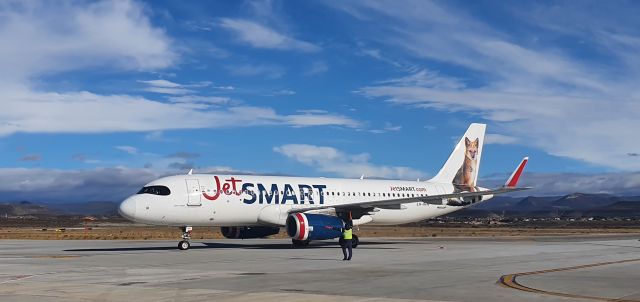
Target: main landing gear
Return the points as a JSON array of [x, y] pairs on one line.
[[186, 235], [354, 241]]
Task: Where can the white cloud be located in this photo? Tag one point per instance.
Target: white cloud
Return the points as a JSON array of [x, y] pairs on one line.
[[165, 87], [261, 36], [282, 92], [535, 94], [162, 83], [97, 184], [111, 184], [624, 183], [427, 78], [212, 100], [267, 70], [594, 129], [316, 68], [388, 127], [157, 136], [310, 119], [494, 138], [172, 88], [42, 37], [84, 112], [331, 160], [128, 149], [39, 38]]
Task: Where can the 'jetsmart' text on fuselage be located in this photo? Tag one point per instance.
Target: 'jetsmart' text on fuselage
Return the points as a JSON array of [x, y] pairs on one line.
[[266, 194]]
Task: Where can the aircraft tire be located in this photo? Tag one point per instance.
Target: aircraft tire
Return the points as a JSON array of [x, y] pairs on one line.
[[184, 245], [300, 243]]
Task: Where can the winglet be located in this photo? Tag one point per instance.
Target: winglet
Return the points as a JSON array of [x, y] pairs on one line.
[[362, 176], [515, 176], [190, 172]]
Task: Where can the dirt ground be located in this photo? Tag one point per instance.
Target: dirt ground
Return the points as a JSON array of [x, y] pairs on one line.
[[116, 232]]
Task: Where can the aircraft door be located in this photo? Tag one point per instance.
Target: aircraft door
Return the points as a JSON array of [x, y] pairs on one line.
[[193, 192]]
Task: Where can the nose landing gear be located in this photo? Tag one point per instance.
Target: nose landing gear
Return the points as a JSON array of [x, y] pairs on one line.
[[186, 235]]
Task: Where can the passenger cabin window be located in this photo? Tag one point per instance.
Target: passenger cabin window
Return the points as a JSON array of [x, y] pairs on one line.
[[155, 190]]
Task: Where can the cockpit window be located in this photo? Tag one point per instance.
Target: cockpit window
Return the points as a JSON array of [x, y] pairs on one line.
[[155, 190]]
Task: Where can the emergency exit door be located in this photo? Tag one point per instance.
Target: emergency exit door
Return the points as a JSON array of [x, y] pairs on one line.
[[193, 192]]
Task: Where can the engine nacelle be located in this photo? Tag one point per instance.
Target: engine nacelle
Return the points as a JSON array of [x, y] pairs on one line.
[[248, 232], [313, 226], [463, 201], [470, 200]]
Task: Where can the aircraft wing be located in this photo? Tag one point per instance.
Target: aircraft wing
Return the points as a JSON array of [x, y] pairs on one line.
[[395, 203], [509, 186]]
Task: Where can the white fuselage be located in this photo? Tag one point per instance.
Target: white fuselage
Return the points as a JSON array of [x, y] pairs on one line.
[[248, 200]]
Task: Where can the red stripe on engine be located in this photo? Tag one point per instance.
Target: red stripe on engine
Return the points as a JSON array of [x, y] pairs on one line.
[[302, 227], [516, 176]]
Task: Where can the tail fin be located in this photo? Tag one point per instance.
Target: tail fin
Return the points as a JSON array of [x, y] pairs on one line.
[[463, 164]]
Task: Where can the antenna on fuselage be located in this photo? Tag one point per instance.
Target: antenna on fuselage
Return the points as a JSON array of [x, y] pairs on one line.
[[190, 172]]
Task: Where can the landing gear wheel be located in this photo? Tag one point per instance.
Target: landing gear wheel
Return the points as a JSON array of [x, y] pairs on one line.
[[355, 241], [186, 235], [184, 245], [300, 243]]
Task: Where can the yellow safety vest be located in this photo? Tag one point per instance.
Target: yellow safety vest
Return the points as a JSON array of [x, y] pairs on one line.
[[348, 234]]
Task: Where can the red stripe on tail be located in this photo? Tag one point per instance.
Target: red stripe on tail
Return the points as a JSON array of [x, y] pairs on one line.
[[513, 181]]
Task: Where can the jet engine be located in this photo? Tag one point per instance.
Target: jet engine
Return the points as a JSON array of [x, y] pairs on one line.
[[473, 199], [248, 232], [463, 201], [313, 226]]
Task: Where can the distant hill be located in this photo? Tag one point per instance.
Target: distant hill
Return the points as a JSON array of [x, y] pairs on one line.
[[622, 209], [575, 205], [106, 208], [25, 208]]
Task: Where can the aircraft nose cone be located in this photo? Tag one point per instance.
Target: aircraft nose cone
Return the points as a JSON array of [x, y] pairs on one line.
[[127, 208]]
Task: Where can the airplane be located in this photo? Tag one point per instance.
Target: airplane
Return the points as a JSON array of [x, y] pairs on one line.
[[255, 206]]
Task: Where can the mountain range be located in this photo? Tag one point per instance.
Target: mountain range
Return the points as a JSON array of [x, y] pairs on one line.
[[24, 208], [577, 205]]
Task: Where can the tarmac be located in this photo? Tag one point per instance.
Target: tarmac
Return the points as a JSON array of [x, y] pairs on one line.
[[382, 269]]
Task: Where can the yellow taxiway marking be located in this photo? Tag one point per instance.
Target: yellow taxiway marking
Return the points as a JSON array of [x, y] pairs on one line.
[[510, 282]]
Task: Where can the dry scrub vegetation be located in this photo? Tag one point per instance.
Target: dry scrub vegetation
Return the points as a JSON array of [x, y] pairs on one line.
[[161, 233]]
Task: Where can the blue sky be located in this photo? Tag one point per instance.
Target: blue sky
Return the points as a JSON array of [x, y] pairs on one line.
[[99, 95]]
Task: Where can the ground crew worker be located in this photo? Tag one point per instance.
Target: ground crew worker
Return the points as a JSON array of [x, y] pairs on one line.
[[347, 235], [346, 240]]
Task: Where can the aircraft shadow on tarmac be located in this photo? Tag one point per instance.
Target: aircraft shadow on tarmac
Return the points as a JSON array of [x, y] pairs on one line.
[[219, 245]]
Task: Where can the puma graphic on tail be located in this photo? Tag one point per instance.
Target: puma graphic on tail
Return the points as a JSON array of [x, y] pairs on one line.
[[465, 179], [461, 169]]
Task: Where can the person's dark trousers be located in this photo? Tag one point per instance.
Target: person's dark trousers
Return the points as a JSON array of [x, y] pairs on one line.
[[347, 245]]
